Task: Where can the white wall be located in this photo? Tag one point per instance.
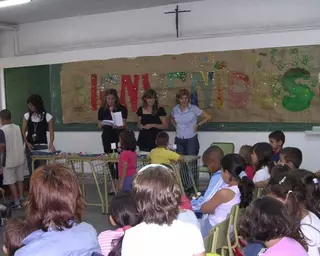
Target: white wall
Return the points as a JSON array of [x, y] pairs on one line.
[[210, 26]]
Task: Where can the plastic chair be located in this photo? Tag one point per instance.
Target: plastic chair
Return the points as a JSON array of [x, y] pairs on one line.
[[217, 237], [227, 147]]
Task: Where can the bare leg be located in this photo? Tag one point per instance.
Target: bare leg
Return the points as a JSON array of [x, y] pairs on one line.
[[20, 189], [14, 192]]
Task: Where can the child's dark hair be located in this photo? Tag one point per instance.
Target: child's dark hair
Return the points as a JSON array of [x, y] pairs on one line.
[[5, 115], [37, 102], [277, 173], [15, 230], [128, 140], [245, 152], [266, 219], [234, 165], [123, 210], [264, 153], [278, 136], [292, 155], [162, 139], [212, 149], [300, 189]]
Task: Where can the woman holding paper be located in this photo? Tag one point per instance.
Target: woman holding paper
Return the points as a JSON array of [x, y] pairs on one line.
[[151, 120], [108, 120]]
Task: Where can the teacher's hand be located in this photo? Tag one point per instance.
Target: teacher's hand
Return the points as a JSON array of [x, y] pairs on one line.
[[141, 127], [29, 146], [52, 148], [148, 126]]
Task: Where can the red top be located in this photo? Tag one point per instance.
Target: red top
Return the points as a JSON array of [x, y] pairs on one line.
[[185, 203], [130, 158], [249, 170]]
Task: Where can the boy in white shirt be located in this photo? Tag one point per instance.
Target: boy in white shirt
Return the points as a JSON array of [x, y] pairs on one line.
[[12, 160]]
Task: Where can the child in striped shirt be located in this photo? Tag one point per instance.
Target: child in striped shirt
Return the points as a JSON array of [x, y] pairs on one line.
[[124, 215]]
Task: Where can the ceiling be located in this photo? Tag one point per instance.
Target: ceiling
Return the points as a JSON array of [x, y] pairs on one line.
[[39, 10]]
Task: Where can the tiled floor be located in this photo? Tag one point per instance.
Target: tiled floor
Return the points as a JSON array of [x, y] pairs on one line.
[[93, 215]]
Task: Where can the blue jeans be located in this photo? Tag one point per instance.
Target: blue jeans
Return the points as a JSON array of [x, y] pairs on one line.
[[127, 184], [188, 146], [252, 248], [205, 227]]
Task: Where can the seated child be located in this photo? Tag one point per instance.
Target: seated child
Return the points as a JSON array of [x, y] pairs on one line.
[[211, 158], [239, 191], [276, 139], [277, 174], [267, 220], [127, 160], [15, 230], [291, 156], [262, 159], [245, 152], [123, 214], [161, 155], [158, 195]]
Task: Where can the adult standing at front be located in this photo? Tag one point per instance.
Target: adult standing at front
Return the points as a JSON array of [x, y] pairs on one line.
[[184, 117], [36, 122], [151, 120], [110, 134]]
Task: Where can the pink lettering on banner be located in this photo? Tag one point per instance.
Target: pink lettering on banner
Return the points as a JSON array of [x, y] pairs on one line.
[[239, 99], [132, 88]]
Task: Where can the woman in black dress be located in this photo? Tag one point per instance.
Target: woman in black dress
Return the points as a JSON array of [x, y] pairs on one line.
[[151, 120], [110, 134]]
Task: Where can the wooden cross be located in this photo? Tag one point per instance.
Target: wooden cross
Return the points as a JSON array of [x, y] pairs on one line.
[[177, 11]]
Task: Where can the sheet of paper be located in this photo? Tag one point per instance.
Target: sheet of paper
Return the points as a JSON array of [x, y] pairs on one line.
[[117, 118]]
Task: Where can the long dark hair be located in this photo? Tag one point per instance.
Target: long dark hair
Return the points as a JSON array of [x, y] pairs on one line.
[[128, 140], [151, 94], [37, 102], [234, 165], [264, 153], [123, 211], [266, 219], [114, 93]]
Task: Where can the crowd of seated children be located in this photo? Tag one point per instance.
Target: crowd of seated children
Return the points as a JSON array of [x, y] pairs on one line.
[[239, 190], [162, 155], [245, 152], [276, 139], [299, 191], [268, 220], [211, 158]]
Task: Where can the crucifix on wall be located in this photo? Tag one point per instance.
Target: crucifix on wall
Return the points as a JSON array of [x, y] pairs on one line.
[[176, 12]]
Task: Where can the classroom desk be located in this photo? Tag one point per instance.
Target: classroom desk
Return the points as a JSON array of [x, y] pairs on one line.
[[99, 166]]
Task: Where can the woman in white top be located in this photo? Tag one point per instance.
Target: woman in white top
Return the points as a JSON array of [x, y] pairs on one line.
[[158, 195], [300, 192], [36, 122], [239, 191], [262, 159]]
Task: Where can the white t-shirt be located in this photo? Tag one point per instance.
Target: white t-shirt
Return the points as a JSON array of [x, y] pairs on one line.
[[36, 118], [261, 175], [154, 240], [188, 216], [310, 227]]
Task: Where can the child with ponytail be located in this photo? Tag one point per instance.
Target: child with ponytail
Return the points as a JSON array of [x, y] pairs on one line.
[[299, 190], [238, 191]]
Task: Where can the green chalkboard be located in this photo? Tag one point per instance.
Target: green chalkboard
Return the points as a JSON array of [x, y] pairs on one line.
[[45, 81]]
